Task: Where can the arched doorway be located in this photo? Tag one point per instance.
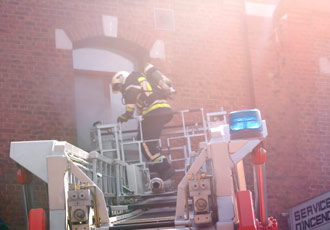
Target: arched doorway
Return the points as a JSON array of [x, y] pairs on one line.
[[95, 61]]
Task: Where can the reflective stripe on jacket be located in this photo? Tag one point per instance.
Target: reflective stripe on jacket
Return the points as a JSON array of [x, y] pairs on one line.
[[138, 91]]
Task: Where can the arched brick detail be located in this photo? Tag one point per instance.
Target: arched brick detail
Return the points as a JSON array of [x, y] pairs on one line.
[[138, 54], [141, 38], [82, 31]]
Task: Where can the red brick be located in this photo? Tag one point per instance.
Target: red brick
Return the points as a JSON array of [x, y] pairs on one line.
[[216, 57]]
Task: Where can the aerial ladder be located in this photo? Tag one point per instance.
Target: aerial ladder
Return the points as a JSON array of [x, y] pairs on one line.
[[112, 187]]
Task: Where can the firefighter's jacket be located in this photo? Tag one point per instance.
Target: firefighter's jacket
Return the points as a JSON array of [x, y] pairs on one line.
[[138, 93]]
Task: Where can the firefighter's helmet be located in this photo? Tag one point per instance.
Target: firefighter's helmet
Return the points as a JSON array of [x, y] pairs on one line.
[[148, 67], [118, 80]]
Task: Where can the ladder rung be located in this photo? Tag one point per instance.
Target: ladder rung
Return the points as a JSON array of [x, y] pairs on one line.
[[175, 148], [179, 159], [109, 150], [179, 170]]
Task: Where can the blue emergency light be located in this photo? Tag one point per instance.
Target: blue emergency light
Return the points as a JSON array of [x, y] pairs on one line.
[[245, 124]]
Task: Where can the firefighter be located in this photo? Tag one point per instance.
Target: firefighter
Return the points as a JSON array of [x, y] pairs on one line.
[[138, 93]]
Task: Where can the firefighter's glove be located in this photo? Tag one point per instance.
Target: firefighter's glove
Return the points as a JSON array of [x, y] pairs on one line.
[[127, 115], [122, 118]]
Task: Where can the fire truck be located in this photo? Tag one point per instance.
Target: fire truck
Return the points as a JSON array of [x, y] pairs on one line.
[[111, 187]]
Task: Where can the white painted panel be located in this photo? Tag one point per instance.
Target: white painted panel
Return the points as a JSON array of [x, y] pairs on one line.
[[158, 50], [258, 9], [62, 41], [110, 25], [100, 60]]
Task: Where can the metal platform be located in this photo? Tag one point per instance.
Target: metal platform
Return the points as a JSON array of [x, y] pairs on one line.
[[157, 212]]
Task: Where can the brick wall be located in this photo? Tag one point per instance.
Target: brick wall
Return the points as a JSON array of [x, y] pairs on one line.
[[216, 57], [293, 93], [36, 100]]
